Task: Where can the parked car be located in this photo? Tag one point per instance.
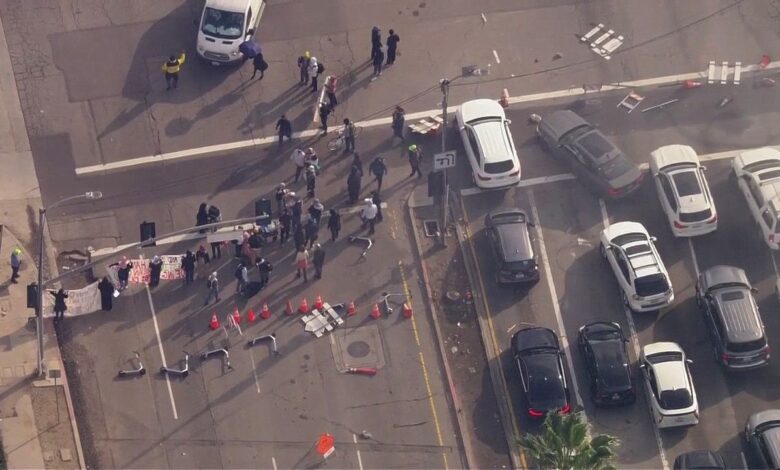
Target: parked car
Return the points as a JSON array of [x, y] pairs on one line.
[[510, 241], [762, 436], [539, 359], [669, 385], [638, 268], [596, 161], [683, 191], [604, 348], [487, 139], [758, 176], [725, 297], [224, 25], [699, 460]]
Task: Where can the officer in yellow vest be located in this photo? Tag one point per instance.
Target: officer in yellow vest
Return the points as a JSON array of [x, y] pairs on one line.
[[172, 68]]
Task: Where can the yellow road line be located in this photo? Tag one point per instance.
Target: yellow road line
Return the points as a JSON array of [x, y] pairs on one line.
[[496, 349], [424, 369]]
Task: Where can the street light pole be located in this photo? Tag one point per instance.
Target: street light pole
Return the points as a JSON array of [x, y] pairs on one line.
[[90, 195], [444, 84]]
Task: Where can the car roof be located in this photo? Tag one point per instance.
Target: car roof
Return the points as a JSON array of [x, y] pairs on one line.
[[669, 155], [476, 109], [560, 122], [238, 6], [670, 375], [612, 361], [493, 141], [722, 274], [534, 337], [752, 156], [699, 459], [515, 242]]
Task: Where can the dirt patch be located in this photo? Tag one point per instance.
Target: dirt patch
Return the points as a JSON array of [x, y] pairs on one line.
[[55, 432]]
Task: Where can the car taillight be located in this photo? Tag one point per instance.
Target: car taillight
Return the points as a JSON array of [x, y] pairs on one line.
[[566, 409], [535, 413], [725, 357], [713, 219], [514, 173], [614, 191], [766, 351], [678, 225], [484, 178]]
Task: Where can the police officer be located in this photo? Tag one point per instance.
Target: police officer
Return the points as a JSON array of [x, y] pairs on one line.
[[172, 68]]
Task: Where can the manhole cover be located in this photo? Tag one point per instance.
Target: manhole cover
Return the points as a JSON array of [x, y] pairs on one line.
[[358, 349]]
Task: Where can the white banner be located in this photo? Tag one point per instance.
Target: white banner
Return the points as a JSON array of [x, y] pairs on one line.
[[79, 301]]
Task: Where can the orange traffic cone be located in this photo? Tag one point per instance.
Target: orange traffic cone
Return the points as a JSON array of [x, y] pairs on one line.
[[318, 303], [407, 311], [236, 316], [214, 323], [289, 310], [375, 313], [304, 308], [351, 310], [251, 316], [370, 371], [688, 84], [265, 312]]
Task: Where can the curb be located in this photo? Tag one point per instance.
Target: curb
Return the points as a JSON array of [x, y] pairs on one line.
[[467, 451]]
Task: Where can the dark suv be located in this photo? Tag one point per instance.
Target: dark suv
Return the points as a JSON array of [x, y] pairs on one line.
[[762, 436], [510, 241], [725, 297]]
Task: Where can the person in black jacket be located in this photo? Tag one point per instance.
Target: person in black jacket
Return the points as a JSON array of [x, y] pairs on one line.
[[318, 260], [353, 185], [379, 58], [285, 225], [312, 231], [315, 210], [378, 201], [59, 304], [155, 268], [392, 46], [106, 289], [202, 217], [188, 265], [297, 212], [376, 41], [284, 128], [334, 224], [264, 267], [260, 64]]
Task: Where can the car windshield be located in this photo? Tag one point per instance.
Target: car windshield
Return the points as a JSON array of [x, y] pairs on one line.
[[675, 399], [222, 24], [603, 335], [769, 175], [616, 167], [687, 183], [499, 167], [651, 285], [695, 216], [523, 265]]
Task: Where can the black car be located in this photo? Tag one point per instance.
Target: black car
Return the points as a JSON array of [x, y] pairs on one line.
[[699, 460], [762, 436], [510, 241], [604, 348], [539, 360], [597, 162]]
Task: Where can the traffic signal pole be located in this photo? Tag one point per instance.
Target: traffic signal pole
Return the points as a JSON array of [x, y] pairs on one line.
[[444, 84]]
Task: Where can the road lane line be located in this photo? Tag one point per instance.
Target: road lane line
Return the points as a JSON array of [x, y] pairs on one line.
[[424, 368], [360, 460], [659, 442], [254, 370], [554, 295], [160, 345], [693, 257], [273, 463], [495, 56], [496, 350], [522, 184], [744, 461]]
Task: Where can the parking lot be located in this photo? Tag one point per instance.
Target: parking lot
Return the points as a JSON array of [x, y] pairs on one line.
[[578, 287]]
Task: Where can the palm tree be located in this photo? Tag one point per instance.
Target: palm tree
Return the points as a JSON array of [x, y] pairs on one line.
[[566, 445]]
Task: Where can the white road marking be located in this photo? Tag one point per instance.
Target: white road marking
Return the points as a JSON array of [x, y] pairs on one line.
[[162, 353], [273, 463], [484, 18], [693, 257], [251, 143], [604, 215], [254, 370], [495, 56], [744, 461], [523, 183], [554, 295], [360, 459]]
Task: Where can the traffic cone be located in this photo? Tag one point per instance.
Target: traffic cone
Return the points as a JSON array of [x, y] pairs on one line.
[[236, 316], [764, 61], [214, 323], [351, 310], [370, 371], [304, 308], [375, 313], [251, 316], [318, 303], [688, 84], [407, 311], [289, 310], [265, 312]]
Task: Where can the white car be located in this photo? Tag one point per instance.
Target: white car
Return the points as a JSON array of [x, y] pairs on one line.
[[758, 176], [669, 385], [490, 149], [683, 190], [637, 266], [224, 25]]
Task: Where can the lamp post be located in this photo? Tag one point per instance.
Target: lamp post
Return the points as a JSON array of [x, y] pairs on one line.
[[89, 195]]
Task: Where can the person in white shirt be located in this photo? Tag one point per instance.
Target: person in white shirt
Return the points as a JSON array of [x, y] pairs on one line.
[[298, 157], [369, 215]]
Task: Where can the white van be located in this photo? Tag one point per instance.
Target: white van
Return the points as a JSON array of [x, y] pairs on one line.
[[224, 25]]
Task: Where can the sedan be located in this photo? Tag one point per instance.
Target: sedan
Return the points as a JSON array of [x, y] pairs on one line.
[[669, 385], [683, 191], [604, 348], [539, 359], [762, 436], [699, 460]]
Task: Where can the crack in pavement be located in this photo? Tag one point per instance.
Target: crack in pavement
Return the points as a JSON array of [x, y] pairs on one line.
[[389, 402]]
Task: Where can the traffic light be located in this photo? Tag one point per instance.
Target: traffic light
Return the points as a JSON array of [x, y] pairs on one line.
[[32, 295], [148, 232]]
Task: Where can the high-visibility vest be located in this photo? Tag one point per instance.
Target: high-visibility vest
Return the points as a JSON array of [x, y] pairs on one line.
[[173, 66]]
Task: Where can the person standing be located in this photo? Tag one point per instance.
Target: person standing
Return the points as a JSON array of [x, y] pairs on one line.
[[311, 180], [353, 185], [281, 191], [303, 67], [124, 272], [314, 71], [216, 250], [325, 111], [16, 263], [299, 237], [285, 222], [202, 217], [264, 267], [155, 268], [242, 276], [392, 46], [213, 285], [379, 58], [298, 157], [203, 260], [284, 129], [106, 289], [378, 203], [312, 232], [59, 304], [414, 160], [349, 136], [188, 265], [260, 64], [369, 215], [313, 160], [357, 164], [376, 40], [301, 263], [398, 123], [330, 91], [334, 224], [315, 210], [318, 260], [379, 170], [172, 67], [297, 212]]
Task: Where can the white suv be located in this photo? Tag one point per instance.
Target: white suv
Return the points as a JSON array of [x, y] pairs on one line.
[[669, 385], [637, 266], [758, 176]]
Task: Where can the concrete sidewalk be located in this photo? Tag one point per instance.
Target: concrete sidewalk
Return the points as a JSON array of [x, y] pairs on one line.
[[37, 426]]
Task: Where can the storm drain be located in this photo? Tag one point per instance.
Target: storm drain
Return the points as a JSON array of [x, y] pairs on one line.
[[357, 347]]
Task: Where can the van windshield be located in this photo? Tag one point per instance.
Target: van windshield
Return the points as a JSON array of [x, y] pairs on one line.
[[222, 24]]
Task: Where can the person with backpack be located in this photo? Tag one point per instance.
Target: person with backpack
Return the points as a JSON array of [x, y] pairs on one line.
[[303, 68], [264, 267], [379, 170], [260, 64], [242, 276], [213, 285]]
